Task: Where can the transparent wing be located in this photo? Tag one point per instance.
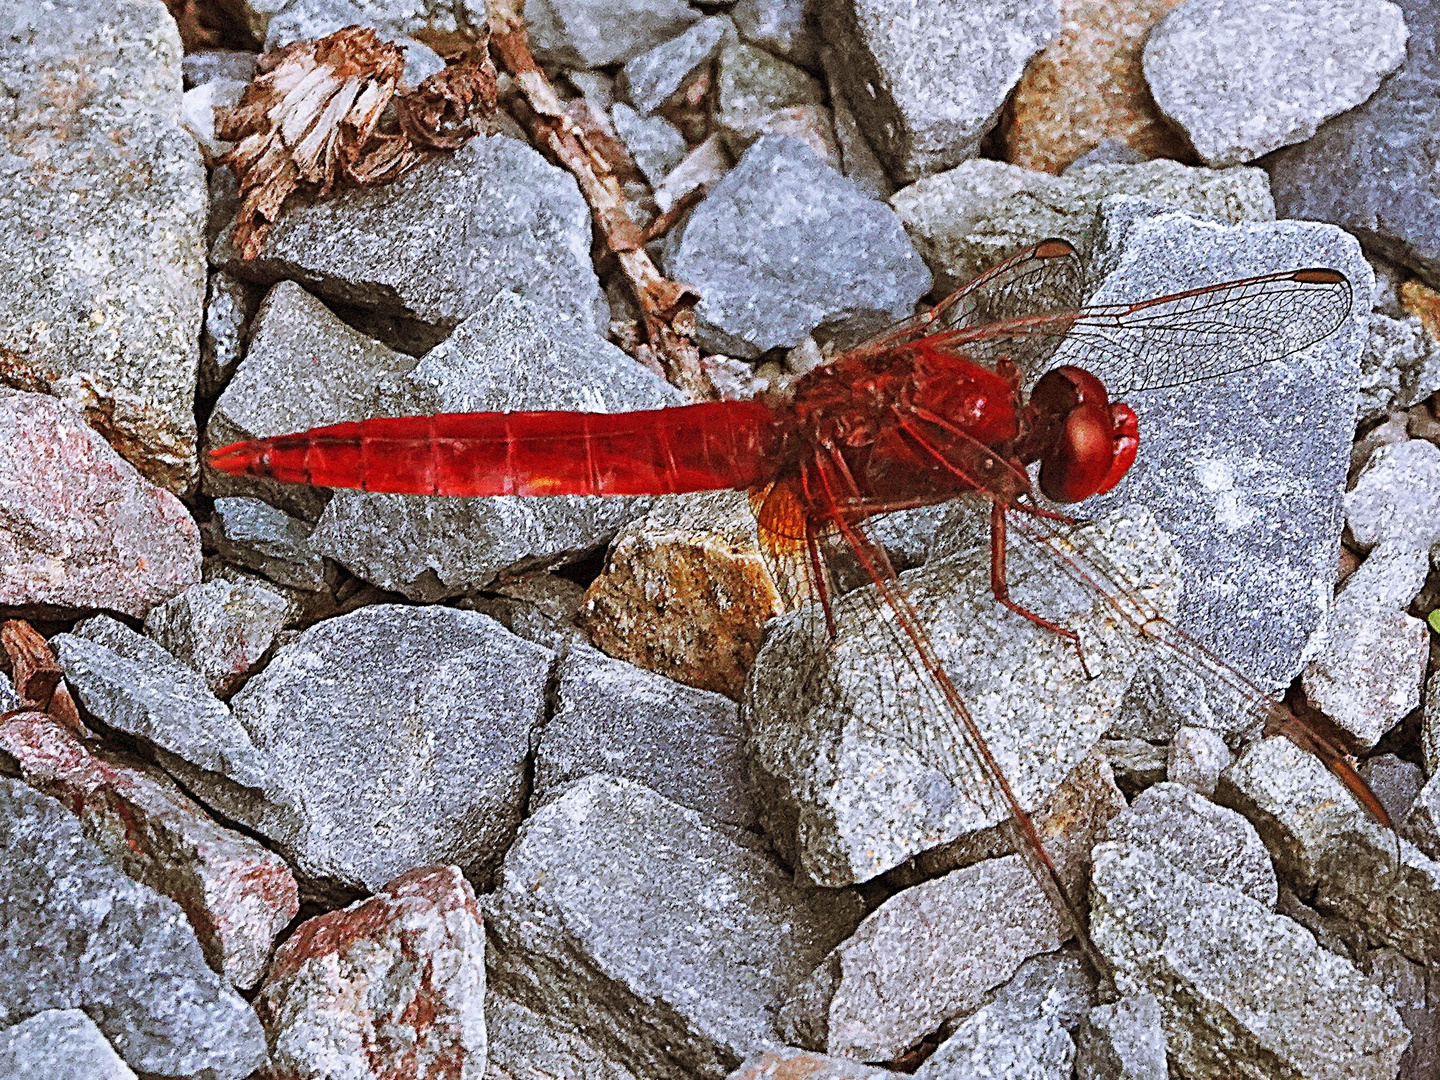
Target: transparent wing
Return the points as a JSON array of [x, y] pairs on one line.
[[1171, 340], [1040, 279]]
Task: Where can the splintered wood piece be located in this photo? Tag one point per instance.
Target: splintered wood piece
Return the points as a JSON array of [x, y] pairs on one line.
[[34, 668], [316, 116]]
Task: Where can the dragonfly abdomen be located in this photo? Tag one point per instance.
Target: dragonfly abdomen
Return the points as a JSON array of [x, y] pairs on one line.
[[714, 445]]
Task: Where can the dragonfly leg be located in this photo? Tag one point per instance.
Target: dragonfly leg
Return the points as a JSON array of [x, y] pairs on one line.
[[1036, 510], [817, 571], [1000, 588]]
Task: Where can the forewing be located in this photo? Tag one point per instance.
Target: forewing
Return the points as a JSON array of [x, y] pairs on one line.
[[1171, 340]]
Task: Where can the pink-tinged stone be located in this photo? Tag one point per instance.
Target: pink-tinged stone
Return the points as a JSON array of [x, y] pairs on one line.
[[237, 895], [789, 1063], [79, 527], [391, 987]]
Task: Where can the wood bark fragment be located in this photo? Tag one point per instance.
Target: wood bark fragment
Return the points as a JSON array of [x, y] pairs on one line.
[[667, 308], [37, 675], [318, 114]]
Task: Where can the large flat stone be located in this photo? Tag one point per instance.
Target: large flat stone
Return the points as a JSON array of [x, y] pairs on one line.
[[440, 242], [927, 81], [76, 933], [784, 244], [857, 762], [1242, 79], [1243, 993], [1246, 471], [664, 941], [392, 737], [79, 527], [102, 217], [1395, 210]]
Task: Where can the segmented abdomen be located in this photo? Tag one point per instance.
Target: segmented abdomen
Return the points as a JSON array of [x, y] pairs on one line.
[[722, 444]]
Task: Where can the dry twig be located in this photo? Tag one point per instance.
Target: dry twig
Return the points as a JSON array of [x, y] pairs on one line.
[[317, 115], [667, 307]]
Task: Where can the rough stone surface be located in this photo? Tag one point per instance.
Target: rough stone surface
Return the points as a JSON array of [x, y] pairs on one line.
[[656, 144], [783, 244], [1020, 1031], [59, 1044], [1243, 993], [304, 368], [1391, 576], [1210, 843], [525, 1045], [597, 33], [1242, 79], [201, 67], [928, 82], [1246, 471], [79, 527], [1400, 367], [1122, 1041], [102, 217], [652, 77], [858, 158], [1397, 496], [439, 243], [1415, 992], [673, 967], [969, 218], [1369, 674], [76, 933], [393, 985], [1422, 819], [392, 737], [1395, 782], [779, 26], [511, 354], [702, 168], [1332, 851], [911, 964], [1396, 211], [282, 22], [851, 782], [612, 717], [1086, 90], [253, 534], [127, 682], [221, 629], [789, 1063], [750, 84], [230, 304], [236, 894], [685, 592], [1196, 759]]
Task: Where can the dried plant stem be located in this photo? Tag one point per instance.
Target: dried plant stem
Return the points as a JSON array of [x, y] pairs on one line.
[[666, 307]]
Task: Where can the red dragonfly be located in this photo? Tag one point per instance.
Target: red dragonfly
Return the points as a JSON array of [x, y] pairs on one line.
[[929, 410]]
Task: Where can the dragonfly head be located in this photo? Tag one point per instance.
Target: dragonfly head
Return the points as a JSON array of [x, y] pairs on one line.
[[1084, 444]]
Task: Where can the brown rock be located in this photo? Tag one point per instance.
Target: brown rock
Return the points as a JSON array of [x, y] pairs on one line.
[[236, 894], [1424, 303], [79, 527], [392, 986], [685, 593], [1087, 86]]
